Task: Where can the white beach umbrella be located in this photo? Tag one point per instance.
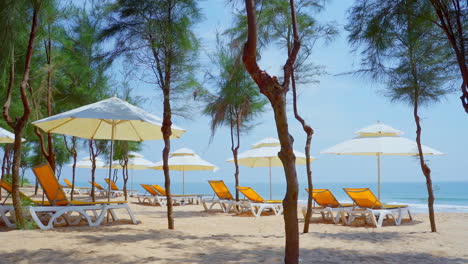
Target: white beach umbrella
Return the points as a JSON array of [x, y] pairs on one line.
[[379, 140], [265, 154], [135, 162], [7, 137], [185, 159], [112, 119]]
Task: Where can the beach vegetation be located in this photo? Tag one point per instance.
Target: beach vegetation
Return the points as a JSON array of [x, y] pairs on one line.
[[159, 35], [399, 48], [237, 101]]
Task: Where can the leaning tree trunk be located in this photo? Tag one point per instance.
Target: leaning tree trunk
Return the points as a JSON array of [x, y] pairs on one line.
[[451, 16], [48, 153], [167, 132], [309, 132], [20, 122], [276, 94], [425, 169]]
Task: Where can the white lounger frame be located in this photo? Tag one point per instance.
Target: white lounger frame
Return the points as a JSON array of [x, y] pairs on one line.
[[99, 212], [162, 200], [225, 205], [375, 217], [258, 208], [63, 214], [336, 214]]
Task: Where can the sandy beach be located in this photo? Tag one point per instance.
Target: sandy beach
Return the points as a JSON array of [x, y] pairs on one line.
[[215, 237]]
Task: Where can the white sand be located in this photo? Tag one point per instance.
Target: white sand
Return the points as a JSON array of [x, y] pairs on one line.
[[202, 237]]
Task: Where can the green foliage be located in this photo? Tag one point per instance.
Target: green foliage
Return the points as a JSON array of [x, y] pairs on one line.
[[401, 47], [159, 36], [237, 96], [274, 26]]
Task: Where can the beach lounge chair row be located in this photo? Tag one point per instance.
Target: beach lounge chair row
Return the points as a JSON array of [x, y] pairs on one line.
[[156, 195], [102, 192], [59, 209], [365, 204], [253, 202]]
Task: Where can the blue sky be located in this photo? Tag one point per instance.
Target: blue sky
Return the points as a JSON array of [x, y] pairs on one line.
[[336, 107]]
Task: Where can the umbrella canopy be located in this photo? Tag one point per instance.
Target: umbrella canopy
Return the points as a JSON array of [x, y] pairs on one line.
[[135, 162], [87, 164], [265, 154], [134, 154], [379, 140], [185, 159], [112, 119], [7, 137]]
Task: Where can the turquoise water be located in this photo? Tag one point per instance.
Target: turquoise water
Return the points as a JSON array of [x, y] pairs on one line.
[[450, 196]]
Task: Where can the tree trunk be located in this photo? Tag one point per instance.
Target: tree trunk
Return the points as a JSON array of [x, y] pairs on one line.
[[125, 177], [48, 153], [93, 169], [425, 169], [167, 132], [17, 203], [451, 15], [309, 132], [73, 175], [20, 122], [235, 150], [276, 94]]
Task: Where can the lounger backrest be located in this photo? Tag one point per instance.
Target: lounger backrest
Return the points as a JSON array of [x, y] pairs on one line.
[[159, 189], [50, 185], [363, 197], [112, 184], [5, 185], [149, 189], [324, 197], [251, 194], [221, 190], [67, 182], [95, 184]]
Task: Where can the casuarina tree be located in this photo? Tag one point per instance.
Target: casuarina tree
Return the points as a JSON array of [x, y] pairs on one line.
[[399, 49], [159, 35], [275, 91]]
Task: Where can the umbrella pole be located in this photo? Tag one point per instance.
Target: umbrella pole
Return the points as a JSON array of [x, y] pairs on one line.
[[110, 162], [269, 163], [183, 181], [378, 173]]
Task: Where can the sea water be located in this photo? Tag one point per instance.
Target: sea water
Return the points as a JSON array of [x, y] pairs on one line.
[[450, 196]]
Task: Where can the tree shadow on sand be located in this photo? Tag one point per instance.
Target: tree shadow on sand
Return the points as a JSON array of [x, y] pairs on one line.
[[221, 253]]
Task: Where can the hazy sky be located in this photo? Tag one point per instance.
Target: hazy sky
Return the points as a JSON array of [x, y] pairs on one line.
[[336, 107]]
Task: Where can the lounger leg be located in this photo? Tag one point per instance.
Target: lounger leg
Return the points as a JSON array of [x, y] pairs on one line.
[[131, 214], [409, 214]]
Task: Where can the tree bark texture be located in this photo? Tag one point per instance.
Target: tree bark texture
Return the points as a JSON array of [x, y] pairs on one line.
[[425, 169], [92, 158], [167, 132], [276, 94], [235, 144], [19, 123], [309, 132]]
